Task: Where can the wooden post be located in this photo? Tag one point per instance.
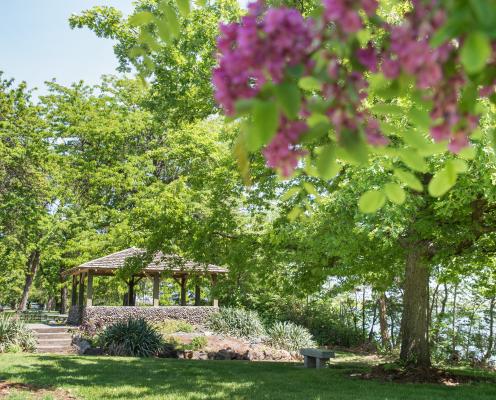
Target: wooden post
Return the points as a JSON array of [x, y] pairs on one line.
[[183, 290], [89, 294], [131, 299], [74, 291], [215, 302], [81, 290], [156, 290], [197, 295]]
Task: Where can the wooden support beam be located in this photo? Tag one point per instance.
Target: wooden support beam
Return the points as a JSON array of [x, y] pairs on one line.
[[131, 297], [89, 294], [74, 296], [81, 290], [215, 302], [156, 290], [183, 290], [197, 295]]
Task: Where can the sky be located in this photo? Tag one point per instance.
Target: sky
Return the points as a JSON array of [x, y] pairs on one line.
[[37, 44]]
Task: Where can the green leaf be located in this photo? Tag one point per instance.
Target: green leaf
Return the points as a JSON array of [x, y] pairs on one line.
[[201, 3], [420, 118], [413, 160], [459, 166], [326, 162], [290, 193], [475, 52], [442, 181], [294, 213], [310, 83], [141, 18], [265, 120], [395, 193], [371, 201], [484, 11], [184, 7], [315, 132], [408, 179], [317, 118], [388, 110], [415, 139], [164, 30], [310, 188], [467, 153], [288, 97], [171, 18]]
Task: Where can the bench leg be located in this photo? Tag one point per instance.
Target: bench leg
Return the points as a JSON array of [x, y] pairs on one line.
[[310, 362], [321, 362]]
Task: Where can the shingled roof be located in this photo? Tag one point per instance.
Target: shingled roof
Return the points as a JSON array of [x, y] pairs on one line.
[[160, 262]]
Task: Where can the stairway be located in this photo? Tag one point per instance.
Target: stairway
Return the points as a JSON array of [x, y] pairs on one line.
[[52, 339]]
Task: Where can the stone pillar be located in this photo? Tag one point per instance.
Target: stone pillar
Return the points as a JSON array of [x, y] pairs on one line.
[[197, 295], [215, 302], [183, 290], [81, 290], [156, 290], [89, 294], [74, 291]]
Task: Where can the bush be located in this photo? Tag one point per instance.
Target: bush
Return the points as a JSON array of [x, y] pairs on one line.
[[172, 326], [236, 322], [15, 336], [198, 343], [289, 336], [134, 337]]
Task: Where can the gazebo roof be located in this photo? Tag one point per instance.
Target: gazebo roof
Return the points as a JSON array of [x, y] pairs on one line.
[[161, 262]]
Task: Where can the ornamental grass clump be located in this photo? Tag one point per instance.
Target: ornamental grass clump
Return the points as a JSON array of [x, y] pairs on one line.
[[15, 335], [134, 337], [237, 322], [289, 336]]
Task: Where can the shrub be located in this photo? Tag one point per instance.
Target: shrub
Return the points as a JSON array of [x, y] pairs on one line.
[[289, 336], [134, 337], [14, 335], [198, 343], [172, 326], [236, 322]]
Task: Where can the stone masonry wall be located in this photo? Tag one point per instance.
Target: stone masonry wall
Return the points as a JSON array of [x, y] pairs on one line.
[[101, 316]]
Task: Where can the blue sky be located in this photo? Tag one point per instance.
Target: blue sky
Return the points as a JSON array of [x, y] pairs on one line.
[[37, 44]]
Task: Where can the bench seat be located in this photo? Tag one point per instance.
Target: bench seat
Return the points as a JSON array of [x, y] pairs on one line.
[[316, 358]]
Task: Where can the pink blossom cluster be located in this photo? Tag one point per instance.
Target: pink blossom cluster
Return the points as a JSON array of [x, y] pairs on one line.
[[410, 51], [346, 92], [258, 49], [345, 13], [282, 153]]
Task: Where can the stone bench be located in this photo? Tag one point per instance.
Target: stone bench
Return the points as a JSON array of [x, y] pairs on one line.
[[316, 358]]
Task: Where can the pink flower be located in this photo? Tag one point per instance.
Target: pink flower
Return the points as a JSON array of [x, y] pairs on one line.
[[367, 57]]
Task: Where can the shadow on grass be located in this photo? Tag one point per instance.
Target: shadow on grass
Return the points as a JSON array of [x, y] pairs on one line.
[[134, 378]]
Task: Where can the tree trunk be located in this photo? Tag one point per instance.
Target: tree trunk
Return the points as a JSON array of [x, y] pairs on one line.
[[490, 339], [386, 343], [364, 328], [32, 268], [63, 299], [454, 355], [414, 322]]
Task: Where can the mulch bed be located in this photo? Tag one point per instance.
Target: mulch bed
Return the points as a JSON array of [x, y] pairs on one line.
[[35, 392], [385, 373]]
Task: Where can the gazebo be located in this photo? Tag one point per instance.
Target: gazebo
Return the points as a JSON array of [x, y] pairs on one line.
[[160, 265]]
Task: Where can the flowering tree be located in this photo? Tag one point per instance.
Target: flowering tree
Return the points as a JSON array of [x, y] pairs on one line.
[[350, 82]]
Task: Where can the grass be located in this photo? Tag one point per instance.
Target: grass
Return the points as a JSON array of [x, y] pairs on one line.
[[146, 379]]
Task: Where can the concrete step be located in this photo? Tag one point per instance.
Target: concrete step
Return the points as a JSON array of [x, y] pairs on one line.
[[54, 329], [54, 349], [55, 342], [52, 335]]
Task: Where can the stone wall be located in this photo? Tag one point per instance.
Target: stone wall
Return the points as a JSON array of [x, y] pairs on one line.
[[101, 316]]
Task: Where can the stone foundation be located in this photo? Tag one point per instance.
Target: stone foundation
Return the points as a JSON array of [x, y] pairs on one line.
[[102, 316]]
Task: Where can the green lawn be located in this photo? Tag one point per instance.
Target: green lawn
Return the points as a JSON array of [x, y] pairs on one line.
[[146, 379]]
